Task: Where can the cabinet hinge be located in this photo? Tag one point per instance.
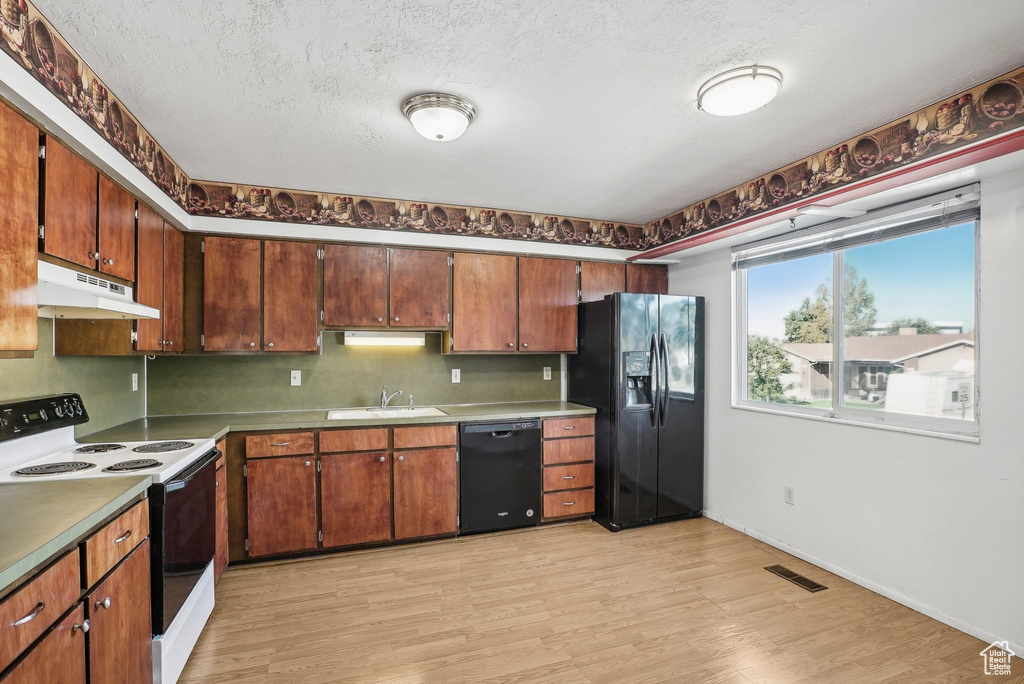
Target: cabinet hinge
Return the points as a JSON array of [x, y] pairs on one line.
[[318, 341], [458, 520], [202, 246], [321, 315], [245, 470], [449, 316], [320, 536], [451, 260], [579, 295], [136, 214], [135, 336], [318, 466], [42, 151], [456, 455], [579, 269], [42, 232], [202, 341], [320, 254], [247, 544]]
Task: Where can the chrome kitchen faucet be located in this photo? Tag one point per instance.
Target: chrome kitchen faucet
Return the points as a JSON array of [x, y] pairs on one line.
[[385, 399]]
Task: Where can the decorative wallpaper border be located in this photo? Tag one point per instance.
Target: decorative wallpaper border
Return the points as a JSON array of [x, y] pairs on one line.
[[31, 41], [330, 209], [985, 111]]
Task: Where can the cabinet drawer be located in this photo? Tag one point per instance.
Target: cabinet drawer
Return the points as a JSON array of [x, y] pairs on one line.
[[568, 477], [334, 441], [37, 605], [568, 450], [564, 504], [425, 436], [569, 427], [282, 444], [106, 548]]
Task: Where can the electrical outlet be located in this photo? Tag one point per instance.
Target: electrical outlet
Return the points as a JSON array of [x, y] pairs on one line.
[[547, 372], [135, 382], [296, 378], [456, 376], [789, 496]]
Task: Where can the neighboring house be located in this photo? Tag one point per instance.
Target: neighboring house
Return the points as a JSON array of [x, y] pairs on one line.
[[870, 361]]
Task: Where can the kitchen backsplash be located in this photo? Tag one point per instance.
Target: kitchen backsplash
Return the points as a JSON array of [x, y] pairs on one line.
[[105, 383], [343, 377]]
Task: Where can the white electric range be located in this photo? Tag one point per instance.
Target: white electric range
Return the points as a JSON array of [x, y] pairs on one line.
[[37, 442]]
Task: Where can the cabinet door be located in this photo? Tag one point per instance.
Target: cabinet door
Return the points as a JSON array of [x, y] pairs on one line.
[[174, 289], [426, 496], [598, 279], [69, 207], [149, 278], [19, 221], [355, 498], [231, 294], [59, 657], [418, 294], [355, 286], [647, 279], [282, 505], [121, 623], [116, 230], [289, 296], [483, 302], [547, 305], [220, 558]]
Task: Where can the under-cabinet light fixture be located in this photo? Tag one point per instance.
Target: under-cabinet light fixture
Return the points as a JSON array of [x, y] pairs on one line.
[[384, 338], [819, 210]]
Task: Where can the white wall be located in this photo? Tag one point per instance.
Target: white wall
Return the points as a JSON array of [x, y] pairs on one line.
[[935, 524]]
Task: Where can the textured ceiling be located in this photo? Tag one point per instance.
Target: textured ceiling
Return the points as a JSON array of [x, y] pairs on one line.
[[585, 108]]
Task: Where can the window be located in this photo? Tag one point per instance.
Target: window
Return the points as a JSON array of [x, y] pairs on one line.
[[869, 319]]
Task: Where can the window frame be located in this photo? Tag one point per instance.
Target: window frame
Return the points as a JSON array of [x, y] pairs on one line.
[[952, 428]]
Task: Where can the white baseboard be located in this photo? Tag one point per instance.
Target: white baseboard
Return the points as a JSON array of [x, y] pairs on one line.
[[914, 604]]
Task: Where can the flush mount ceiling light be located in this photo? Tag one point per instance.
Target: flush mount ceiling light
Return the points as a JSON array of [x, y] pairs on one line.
[[438, 116], [739, 91]]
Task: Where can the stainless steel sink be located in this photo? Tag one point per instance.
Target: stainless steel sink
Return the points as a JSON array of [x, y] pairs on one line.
[[363, 414]]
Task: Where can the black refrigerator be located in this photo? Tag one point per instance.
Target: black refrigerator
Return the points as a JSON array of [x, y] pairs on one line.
[[641, 365]]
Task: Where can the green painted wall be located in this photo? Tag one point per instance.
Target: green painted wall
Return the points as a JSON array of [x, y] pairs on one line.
[[104, 383], [344, 376]]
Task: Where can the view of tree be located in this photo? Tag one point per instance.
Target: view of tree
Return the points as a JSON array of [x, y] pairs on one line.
[[923, 327], [812, 321], [765, 363]]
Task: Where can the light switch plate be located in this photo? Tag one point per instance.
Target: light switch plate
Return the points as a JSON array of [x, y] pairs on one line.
[[135, 382], [456, 376], [547, 372], [296, 378]]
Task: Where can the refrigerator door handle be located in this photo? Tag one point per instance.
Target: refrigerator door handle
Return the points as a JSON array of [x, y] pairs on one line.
[[663, 381], [655, 380]]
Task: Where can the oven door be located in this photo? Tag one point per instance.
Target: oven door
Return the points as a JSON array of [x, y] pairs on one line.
[[183, 527]]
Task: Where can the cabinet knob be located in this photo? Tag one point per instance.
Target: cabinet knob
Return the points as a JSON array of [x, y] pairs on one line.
[[252, 344], [511, 344], [109, 262], [170, 343], [383, 458], [105, 603], [84, 627], [525, 345], [401, 458], [270, 344], [95, 256], [380, 320], [396, 319], [307, 463]]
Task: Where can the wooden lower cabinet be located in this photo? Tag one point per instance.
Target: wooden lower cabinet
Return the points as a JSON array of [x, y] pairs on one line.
[[220, 556], [355, 491], [426, 493], [281, 505], [568, 482], [120, 623], [59, 657]]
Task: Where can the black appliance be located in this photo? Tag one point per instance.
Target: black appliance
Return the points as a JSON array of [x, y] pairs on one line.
[[182, 524], [641, 365], [499, 475]]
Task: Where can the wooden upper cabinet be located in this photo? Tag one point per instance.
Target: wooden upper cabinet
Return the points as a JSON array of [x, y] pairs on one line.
[[289, 296], [418, 295], [426, 493], [483, 302], [547, 305], [356, 498], [149, 281], [647, 278], [281, 505], [19, 221], [355, 286], [69, 206], [231, 294], [174, 289], [116, 230], [599, 279]]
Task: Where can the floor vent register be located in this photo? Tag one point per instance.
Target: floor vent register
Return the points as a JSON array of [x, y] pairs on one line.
[[796, 578]]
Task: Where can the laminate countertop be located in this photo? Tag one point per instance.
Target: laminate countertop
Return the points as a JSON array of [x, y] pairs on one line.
[[41, 519], [216, 425]]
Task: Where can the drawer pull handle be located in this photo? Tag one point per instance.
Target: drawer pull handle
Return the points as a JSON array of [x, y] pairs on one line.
[[568, 427], [280, 444], [123, 537], [568, 503], [31, 616], [568, 477], [105, 603], [84, 627]]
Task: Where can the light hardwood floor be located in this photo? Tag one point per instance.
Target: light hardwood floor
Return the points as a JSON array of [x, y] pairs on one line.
[[574, 604]]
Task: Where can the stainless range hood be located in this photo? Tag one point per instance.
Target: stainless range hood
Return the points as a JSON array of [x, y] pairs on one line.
[[65, 293]]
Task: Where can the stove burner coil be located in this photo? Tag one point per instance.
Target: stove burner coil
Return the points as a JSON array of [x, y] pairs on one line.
[[99, 448], [135, 464], [54, 468], [161, 447]]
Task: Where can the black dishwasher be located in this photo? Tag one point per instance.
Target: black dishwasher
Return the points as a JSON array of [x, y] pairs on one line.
[[499, 475]]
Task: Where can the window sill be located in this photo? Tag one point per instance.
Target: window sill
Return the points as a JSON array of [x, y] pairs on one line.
[[956, 437]]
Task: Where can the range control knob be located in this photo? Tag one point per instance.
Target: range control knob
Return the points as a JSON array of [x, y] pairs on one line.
[[59, 410]]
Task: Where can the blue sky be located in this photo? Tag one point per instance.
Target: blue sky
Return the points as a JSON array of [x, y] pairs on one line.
[[929, 275]]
